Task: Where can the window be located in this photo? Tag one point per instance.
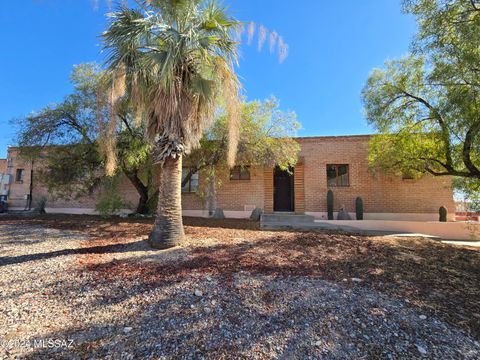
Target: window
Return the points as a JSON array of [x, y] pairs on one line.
[[337, 175], [19, 175], [192, 183], [240, 173]]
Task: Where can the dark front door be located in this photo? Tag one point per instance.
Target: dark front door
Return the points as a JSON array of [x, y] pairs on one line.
[[283, 196]]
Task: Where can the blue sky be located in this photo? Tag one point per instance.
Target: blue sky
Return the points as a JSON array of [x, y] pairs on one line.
[[333, 46]]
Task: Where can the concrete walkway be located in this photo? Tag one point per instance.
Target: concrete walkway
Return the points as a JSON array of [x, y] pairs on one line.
[[462, 243], [468, 232], [474, 243]]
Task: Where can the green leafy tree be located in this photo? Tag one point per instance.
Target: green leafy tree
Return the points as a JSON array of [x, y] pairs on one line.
[[426, 106], [65, 138], [172, 60], [265, 139]]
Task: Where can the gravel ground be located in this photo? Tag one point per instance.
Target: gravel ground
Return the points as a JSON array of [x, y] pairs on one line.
[[94, 293]]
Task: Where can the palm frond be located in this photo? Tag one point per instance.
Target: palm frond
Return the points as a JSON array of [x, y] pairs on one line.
[[174, 60]]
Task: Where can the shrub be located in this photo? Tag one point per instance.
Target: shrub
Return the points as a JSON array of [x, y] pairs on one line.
[[110, 200], [40, 205]]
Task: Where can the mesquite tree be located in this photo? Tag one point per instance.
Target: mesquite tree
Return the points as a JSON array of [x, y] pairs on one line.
[[426, 105], [66, 135]]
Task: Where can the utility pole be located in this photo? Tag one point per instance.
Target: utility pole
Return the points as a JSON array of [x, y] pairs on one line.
[[31, 187]]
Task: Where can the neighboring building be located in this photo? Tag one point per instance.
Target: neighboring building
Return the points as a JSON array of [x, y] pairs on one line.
[[338, 163], [16, 180], [4, 179]]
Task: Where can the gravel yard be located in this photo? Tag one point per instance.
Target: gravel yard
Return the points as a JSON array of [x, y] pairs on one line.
[[82, 287]]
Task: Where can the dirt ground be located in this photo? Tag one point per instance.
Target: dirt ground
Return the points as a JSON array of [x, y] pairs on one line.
[[412, 297]]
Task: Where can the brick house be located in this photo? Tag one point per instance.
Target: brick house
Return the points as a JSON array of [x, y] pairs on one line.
[[338, 163]]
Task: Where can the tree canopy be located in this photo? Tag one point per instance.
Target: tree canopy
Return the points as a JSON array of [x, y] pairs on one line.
[[65, 137], [265, 138], [426, 106], [75, 166]]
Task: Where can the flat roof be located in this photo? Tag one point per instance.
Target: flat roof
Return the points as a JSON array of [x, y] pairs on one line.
[[365, 136], [315, 137]]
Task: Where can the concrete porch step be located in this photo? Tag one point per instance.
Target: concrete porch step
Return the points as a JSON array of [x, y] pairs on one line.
[[285, 221]]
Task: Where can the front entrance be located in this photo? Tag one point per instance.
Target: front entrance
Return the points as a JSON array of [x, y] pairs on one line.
[[283, 191]]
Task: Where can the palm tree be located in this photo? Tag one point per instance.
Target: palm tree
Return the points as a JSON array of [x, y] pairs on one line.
[[172, 60]]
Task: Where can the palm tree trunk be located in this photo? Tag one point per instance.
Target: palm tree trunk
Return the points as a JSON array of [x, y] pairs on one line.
[[167, 230]]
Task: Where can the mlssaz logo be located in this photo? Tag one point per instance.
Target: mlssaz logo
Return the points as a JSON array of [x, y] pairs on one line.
[[53, 343]]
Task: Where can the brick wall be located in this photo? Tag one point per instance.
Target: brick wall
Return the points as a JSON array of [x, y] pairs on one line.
[[4, 184], [268, 190], [3, 166], [380, 193], [18, 189], [233, 195], [299, 187], [86, 201]]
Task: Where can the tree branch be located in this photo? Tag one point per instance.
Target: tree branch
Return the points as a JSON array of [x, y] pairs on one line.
[[441, 121], [140, 187], [124, 120], [467, 149], [74, 123], [187, 178]]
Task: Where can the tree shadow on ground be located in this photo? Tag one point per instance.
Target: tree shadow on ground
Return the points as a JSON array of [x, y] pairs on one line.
[[177, 331], [13, 235], [437, 279], [241, 224], [98, 226], [254, 306], [140, 245], [441, 280]]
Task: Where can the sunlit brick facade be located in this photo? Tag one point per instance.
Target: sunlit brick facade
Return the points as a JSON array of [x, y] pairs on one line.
[[384, 196]]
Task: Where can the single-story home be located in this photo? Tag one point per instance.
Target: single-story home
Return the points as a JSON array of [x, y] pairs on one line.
[[337, 163]]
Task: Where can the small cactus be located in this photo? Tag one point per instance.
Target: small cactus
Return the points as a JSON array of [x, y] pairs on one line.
[[443, 214], [359, 208], [330, 204]]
